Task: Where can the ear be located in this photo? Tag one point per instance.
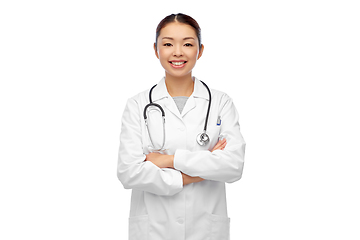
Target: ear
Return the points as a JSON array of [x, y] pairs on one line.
[[156, 52], [201, 51]]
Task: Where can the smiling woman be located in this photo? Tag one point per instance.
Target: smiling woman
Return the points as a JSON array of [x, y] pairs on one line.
[[177, 175]]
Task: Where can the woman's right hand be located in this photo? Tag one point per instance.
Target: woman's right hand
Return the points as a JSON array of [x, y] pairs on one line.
[[220, 145]]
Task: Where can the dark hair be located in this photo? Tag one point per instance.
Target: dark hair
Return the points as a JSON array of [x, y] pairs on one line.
[[181, 18]]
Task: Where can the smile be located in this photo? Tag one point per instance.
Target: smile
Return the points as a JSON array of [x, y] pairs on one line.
[[178, 64]]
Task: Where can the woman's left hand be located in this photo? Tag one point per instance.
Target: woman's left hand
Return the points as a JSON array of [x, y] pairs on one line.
[[161, 160]]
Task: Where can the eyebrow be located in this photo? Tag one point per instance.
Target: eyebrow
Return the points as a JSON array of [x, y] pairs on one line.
[[183, 38]]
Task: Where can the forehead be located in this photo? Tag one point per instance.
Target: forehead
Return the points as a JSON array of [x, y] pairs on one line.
[[177, 31]]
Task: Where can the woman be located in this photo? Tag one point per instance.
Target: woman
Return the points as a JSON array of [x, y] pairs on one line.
[[178, 192]]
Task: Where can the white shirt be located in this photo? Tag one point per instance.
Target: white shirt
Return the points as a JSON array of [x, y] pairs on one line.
[[161, 207]]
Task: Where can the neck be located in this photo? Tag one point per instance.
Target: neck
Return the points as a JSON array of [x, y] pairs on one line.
[[183, 86]]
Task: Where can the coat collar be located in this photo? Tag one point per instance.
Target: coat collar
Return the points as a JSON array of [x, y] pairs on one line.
[[160, 91]]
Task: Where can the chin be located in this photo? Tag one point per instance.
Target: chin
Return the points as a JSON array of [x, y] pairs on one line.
[[178, 75]]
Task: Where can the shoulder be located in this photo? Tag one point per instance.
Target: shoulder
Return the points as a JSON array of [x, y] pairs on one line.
[[140, 97], [220, 96], [143, 96], [135, 104], [222, 100]]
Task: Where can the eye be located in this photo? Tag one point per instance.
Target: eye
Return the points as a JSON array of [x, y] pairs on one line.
[[188, 45], [167, 44]]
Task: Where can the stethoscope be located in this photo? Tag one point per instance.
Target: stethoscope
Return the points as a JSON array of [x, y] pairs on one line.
[[202, 138]]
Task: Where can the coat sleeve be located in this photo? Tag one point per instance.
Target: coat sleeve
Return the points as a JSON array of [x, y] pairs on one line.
[[220, 165], [133, 171]]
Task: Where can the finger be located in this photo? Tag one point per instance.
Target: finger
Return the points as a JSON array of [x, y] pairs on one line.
[[216, 146], [219, 147], [219, 144], [223, 144], [222, 147]]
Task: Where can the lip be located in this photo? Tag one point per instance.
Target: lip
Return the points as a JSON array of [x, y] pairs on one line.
[[176, 66]]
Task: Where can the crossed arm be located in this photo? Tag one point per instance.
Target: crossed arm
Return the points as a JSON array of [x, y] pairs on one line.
[[167, 161]]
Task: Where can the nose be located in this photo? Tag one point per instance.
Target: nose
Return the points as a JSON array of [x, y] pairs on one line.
[[177, 51]]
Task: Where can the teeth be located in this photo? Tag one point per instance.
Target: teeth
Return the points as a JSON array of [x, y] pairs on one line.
[[177, 63]]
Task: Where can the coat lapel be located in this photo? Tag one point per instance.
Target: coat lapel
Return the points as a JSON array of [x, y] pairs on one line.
[[190, 104], [199, 92], [171, 106], [161, 96]]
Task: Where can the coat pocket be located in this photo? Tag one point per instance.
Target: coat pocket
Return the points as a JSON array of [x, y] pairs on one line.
[[220, 227], [139, 227]]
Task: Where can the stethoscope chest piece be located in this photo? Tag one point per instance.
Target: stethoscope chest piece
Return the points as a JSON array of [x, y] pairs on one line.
[[202, 139]]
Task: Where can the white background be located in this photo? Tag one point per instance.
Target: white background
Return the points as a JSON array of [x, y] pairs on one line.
[[68, 67]]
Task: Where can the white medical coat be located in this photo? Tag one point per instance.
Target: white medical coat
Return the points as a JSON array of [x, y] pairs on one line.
[[161, 207]]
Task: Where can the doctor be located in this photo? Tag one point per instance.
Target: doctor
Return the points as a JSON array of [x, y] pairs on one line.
[[178, 193]]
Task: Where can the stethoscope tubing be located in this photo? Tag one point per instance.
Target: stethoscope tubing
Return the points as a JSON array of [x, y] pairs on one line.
[[208, 110], [156, 105], [202, 138]]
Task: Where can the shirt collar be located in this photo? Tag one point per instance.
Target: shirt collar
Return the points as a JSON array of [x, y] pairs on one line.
[[160, 91]]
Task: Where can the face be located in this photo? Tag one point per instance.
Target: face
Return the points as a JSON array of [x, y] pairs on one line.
[[178, 49]]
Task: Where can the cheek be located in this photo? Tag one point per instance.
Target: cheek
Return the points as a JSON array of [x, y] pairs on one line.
[[163, 53], [192, 54]]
